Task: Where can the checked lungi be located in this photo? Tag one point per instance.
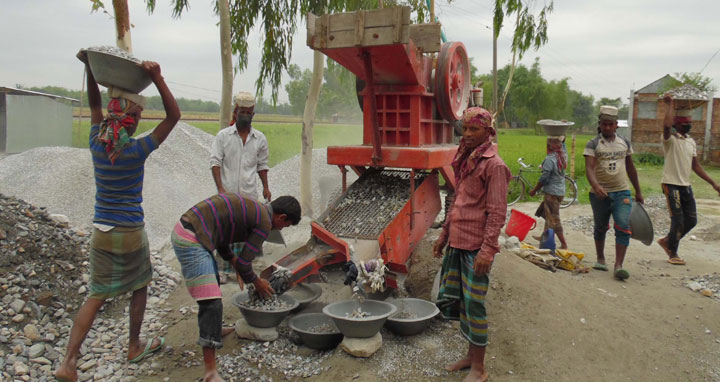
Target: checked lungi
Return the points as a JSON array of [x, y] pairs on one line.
[[119, 262], [197, 265], [462, 295]]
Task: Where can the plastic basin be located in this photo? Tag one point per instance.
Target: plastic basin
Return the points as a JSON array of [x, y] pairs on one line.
[[261, 318], [640, 224], [110, 70], [304, 294], [359, 327], [422, 314], [302, 323]]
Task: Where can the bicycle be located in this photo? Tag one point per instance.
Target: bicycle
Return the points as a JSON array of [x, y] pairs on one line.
[[519, 184]]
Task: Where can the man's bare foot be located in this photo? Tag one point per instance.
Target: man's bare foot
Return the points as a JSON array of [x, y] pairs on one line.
[[136, 351], [66, 373], [476, 376], [663, 242], [226, 331], [212, 376], [459, 365]]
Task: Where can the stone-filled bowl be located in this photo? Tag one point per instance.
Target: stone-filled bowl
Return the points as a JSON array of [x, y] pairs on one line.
[[359, 327], [422, 313], [260, 318], [304, 294], [302, 323], [111, 70]]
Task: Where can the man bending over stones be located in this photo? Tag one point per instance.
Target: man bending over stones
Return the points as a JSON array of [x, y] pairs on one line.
[[471, 233], [119, 249], [217, 223]]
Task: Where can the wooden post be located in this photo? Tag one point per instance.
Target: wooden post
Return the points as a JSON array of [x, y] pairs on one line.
[[572, 158], [707, 148], [370, 92], [225, 64], [122, 25], [432, 11]]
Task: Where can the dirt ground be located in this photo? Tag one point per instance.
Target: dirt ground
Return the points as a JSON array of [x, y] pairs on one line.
[[543, 326]]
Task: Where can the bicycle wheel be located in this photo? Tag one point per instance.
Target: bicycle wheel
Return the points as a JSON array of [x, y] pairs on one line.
[[570, 192], [516, 190]]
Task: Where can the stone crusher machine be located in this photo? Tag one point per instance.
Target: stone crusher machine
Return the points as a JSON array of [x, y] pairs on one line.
[[411, 101]]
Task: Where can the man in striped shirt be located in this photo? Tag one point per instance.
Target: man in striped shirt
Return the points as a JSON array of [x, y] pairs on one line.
[[471, 232], [217, 223], [119, 250]]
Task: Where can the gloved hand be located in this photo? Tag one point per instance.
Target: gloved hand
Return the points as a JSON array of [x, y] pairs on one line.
[[351, 272]]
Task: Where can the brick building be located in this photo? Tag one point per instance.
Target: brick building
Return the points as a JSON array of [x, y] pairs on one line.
[[646, 124]]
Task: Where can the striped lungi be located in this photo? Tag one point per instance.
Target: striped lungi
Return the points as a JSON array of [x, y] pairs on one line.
[[462, 295], [197, 264], [119, 262]]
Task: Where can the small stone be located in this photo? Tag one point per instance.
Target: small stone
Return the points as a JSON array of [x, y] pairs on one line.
[[20, 368], [707, 293], [82, 290], [32, 332], [694, 286], [41, 361], [3, 234], [17, 305], [36, 350], [88, 365], [362, 347], [244, 330], [18, 318]]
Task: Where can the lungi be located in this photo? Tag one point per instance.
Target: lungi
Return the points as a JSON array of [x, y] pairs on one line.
[[119, 262], [197, 264]]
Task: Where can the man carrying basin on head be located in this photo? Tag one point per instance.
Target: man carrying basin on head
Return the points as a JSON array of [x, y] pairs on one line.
[[238, 157], [119, 249], [471, 232], [680, 159], [217, 223], [608, 164]]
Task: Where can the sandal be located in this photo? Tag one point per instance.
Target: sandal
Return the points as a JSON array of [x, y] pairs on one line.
[[600, 267], [676, 261], [621, 274], [149, 350]]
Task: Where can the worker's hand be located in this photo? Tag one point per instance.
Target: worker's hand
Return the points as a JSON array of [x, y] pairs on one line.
[[263, 288], [600, 192], [639, 198], [482, 264], [351, 272], [240, 281], [533, 191], [266, 194], [82, 56], [438, 248], [717, 188], [153, 69]]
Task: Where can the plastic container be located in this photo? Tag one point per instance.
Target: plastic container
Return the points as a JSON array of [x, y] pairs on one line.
[[519, 224]]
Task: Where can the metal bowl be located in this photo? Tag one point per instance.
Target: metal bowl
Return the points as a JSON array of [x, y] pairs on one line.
[[360, 327], [555, 128], [260, 318], [110, 70], [640, 224], [305, 294], [302, 323], [423, 312]]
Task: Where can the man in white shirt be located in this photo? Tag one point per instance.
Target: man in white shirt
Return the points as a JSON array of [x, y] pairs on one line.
[[239, 155], [680, 158]]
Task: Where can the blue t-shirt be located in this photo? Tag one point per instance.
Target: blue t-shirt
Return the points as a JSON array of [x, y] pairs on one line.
[[119, 186], [552, 178]]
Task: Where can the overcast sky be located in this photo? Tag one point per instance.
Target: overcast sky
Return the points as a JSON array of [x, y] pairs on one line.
[[605, 47]]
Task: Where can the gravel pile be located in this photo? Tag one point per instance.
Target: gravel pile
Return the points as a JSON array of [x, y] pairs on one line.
[[177, 176], [43, 280], [655, 206], [115, 51], [687, 92], [707, 284]]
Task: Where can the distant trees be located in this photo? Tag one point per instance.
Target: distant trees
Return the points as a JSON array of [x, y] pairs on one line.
[[337, 94]]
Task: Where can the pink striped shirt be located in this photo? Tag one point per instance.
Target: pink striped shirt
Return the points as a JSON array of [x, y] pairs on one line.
[[478, 212]]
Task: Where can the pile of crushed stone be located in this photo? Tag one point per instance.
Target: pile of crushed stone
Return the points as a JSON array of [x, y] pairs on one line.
[[177, 176]]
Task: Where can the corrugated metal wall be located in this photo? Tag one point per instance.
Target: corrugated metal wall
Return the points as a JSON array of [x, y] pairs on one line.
[[35, 121]]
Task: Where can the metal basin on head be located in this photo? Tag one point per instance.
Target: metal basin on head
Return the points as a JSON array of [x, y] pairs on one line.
[[304, 294], [412, 317], [363, 327], [261, 318], [303, 324], [110, 70]]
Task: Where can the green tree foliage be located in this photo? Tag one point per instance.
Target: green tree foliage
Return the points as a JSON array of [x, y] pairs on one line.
[[337, 94], [698, 80], [623, 108], [532, 98]]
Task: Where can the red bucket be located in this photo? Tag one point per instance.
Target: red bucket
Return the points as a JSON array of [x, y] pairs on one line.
[[519, 224]]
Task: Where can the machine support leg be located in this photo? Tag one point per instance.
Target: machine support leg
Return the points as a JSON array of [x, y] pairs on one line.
[[370, 92], [412, 199], [343, 170]]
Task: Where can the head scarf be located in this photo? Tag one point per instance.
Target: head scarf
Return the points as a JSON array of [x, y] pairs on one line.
[[112, 130], [682, 120], [467, 159], [559, 154]]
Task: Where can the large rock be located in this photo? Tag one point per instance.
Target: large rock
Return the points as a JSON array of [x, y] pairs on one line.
[[36, 350], [244, 330], [32, 333], [362, 347]]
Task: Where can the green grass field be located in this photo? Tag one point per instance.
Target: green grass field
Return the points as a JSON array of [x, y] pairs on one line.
[[284, 141]]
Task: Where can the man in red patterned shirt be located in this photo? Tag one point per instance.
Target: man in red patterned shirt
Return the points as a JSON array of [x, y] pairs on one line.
[[471, 233]]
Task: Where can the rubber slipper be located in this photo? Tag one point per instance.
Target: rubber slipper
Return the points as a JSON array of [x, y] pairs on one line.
[[600, 267], [676, 261], [148, 350], [621, 274]]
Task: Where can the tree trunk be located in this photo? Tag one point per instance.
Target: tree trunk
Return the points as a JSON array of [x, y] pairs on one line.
[[122, 25], [307, 134], [226, 61]]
